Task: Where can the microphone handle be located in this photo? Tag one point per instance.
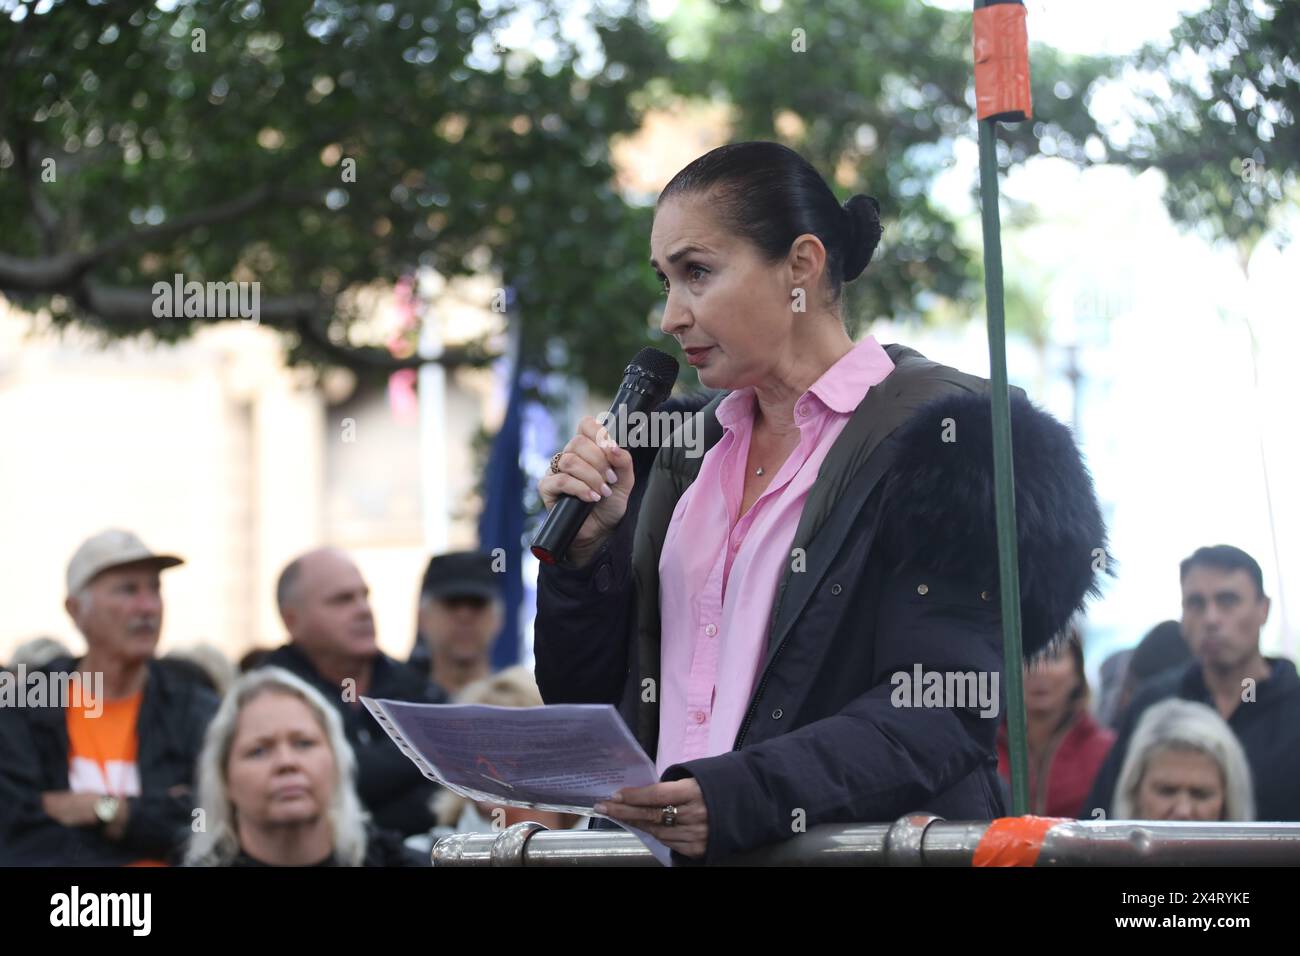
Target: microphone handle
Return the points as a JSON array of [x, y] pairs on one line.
[[560, 528], [551, 544]]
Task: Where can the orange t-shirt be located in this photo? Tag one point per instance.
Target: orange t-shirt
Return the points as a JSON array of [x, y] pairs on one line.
[[102, 751]]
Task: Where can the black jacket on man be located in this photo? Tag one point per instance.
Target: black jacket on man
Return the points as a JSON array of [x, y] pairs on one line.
[[391, 787], [1268, 728], [174, 713], [900, 569]]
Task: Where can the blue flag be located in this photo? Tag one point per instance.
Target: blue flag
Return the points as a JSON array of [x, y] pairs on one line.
[[501, 525]]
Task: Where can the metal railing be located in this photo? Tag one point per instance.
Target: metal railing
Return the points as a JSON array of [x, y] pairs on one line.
[[914, 840]]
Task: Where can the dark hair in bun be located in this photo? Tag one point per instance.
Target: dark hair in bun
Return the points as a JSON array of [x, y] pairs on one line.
[[862, 235], [771, 195]]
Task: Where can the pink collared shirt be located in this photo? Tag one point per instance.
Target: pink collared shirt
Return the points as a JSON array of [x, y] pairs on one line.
[[718, 575]]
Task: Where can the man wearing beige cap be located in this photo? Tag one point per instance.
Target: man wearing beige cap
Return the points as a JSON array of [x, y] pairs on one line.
[[109, 784]]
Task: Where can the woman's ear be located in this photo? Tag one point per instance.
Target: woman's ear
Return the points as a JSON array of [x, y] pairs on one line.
[[807, 261]]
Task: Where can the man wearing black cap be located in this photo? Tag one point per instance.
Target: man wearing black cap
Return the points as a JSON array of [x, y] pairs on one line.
[[461, 610]]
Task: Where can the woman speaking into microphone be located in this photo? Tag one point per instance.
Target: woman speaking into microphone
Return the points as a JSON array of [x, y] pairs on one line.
[[801, 625]]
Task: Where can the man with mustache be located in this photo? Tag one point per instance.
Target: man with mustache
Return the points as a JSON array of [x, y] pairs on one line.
[[325, 605], [104, 776]]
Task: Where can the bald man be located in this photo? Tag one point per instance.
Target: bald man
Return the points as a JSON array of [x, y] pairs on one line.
[[325, 605]]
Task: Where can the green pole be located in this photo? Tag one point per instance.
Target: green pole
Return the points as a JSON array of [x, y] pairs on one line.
[[1003, 475]]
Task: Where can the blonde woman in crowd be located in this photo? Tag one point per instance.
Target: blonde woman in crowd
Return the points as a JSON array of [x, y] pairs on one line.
[[277, 784], [1184, 763]]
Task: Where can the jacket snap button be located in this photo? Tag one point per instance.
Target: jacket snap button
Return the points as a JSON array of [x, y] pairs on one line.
[[984, 595], [778, 714], [836, 589], [923, 589]]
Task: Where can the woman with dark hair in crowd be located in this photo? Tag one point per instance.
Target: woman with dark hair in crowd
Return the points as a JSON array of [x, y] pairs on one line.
[[1066, 745], [749, 605]]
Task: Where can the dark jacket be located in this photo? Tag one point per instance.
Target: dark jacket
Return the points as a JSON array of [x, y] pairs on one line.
[[391, 787], [1267, 727], [383, 849], [174, 713], [900, 568]]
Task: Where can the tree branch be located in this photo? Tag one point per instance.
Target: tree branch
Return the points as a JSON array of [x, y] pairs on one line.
[[56, 273], [295, 313], [221, 212], [49, 274]]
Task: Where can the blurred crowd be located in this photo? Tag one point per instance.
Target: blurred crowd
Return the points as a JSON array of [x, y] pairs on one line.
[[1192, 723], [273, 760]]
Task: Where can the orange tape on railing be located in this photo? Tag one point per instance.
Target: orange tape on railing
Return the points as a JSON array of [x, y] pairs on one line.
[[1002, 63], [1014, 841]]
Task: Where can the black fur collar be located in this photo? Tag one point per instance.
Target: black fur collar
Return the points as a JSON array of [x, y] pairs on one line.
[[939, 507]]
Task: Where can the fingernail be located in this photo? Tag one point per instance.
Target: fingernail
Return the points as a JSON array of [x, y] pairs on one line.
[[611, 475], [593, 496], [606, 490]]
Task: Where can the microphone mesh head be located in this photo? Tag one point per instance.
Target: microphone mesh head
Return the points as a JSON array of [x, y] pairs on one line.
[[659, 365]]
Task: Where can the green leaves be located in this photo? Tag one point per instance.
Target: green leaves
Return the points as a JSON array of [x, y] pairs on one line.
[[1222, 125], [317, 147]]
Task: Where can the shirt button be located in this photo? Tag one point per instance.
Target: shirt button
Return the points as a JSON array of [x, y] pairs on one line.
[[699, 716], [778, 714], [711, 630], [836, 589], [923, 589]]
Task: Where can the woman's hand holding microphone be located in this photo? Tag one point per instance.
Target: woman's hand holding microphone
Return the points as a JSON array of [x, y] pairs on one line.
[[591, 467]]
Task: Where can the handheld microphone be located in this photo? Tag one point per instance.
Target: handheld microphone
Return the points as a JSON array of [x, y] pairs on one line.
[[647, 383]]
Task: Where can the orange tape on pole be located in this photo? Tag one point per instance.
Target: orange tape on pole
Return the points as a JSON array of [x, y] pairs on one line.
[[1014, 841], [1002, 63]]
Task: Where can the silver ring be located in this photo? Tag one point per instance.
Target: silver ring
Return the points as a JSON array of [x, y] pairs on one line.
[[668, 815], [555, 462]]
